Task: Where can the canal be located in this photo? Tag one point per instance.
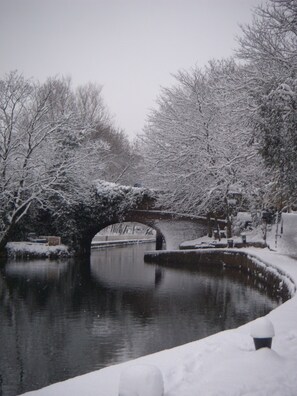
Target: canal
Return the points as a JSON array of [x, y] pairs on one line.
[[60, 319]]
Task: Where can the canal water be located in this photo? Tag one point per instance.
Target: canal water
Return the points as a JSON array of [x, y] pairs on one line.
[[63, 319]]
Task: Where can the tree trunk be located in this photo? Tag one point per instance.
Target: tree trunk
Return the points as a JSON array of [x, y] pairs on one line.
[[209, 227], [229, 227], [3, 241]]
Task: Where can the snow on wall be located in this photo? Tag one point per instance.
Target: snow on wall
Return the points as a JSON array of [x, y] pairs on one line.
[[283, 276]]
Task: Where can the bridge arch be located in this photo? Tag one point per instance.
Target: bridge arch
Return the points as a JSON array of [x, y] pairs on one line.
[[121, 227]]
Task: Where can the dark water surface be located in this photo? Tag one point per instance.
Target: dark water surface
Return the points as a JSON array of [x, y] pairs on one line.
[[62, 319]]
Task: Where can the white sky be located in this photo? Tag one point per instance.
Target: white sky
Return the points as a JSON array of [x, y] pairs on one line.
[[131, 47]]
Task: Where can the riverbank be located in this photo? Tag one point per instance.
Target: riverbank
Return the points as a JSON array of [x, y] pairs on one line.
[[31, 250], [225, 363]]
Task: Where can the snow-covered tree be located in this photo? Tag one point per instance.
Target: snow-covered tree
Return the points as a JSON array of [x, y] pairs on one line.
[[277, 126], [197, 147], [270, 41], [47, 155], [269, 48]]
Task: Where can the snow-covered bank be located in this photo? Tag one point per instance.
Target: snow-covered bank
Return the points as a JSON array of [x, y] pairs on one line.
[[223, 364], [35, 250]]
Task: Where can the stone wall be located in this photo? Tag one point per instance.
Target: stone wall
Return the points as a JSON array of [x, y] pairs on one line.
[[223, 258]]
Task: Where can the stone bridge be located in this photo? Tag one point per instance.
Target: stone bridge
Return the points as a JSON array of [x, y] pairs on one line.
[[172, 228], [110, 204]]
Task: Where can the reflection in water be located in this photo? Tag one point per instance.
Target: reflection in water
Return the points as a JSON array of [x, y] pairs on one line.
[[159, 273], [62, 319], [37, 269]]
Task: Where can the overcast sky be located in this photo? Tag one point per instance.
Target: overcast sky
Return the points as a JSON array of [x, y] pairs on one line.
[[131, 47]]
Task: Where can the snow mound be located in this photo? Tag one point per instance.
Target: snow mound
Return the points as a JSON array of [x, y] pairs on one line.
[[141, 380]]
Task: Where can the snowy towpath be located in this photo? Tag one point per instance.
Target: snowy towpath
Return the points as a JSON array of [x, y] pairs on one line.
[[225, 363], [287, 241]]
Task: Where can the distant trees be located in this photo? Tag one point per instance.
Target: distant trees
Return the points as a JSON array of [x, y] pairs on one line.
[[123, 158], [49, 151], [197, 146]]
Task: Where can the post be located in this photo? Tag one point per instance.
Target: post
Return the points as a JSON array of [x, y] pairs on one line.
[[262, 331], [209, 227]]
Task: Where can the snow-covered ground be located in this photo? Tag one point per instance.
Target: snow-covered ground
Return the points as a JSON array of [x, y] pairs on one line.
[[223, 364], [31, 249]]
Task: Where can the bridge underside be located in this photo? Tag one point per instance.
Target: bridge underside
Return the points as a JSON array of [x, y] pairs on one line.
[[173, 228]]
